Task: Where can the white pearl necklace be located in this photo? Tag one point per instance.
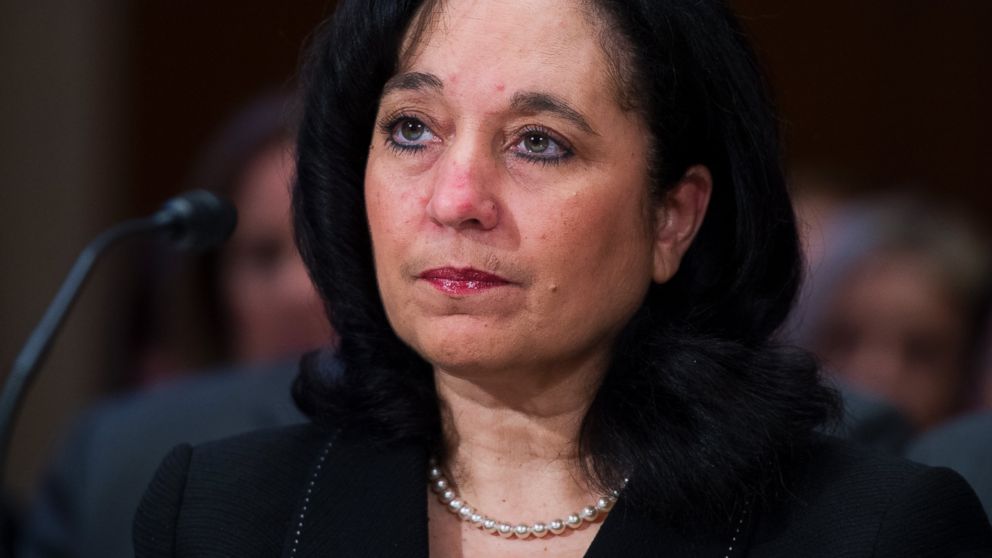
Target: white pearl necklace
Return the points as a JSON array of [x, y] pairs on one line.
[[449, 498]]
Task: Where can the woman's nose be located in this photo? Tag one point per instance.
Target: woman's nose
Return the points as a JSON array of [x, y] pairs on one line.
[[463, 196]]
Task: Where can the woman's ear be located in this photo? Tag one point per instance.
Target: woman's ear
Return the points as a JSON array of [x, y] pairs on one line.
[[678, 218]]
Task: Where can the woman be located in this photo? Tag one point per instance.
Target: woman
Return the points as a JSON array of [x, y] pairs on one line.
[[504, 204]]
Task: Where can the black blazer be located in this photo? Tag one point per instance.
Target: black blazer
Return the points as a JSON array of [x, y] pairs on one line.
[[296, 492]]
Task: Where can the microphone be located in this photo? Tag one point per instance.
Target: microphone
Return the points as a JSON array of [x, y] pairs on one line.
[[195, 220]]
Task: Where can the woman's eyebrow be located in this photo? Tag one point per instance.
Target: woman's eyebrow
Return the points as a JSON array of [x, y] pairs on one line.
[[412, 81], [530, 102], [533, 102]]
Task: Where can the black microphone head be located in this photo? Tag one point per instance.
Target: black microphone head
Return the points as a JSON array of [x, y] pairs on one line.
[[198, 220]]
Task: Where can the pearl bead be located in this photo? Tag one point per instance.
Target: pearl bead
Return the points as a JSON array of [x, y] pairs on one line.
[[465, 512], [521, 531], [489, 525], [455, 505], [440, 485], [476, 519], [573, 520], [604, 504], [589, 513], [434, 473], [505, 530], [556, 526], [447, 496], [538, 530]]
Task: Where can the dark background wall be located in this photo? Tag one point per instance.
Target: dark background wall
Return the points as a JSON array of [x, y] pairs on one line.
[[891, 92], [226, 53], [105, 104]]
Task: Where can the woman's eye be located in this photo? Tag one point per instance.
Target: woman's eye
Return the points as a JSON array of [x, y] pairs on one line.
[[410, 132], [540, 146]]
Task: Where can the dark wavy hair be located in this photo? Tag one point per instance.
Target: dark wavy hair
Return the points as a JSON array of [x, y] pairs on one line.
[[699, 402]]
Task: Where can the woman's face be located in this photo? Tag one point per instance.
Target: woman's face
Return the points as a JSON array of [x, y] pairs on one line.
[[507, 192]]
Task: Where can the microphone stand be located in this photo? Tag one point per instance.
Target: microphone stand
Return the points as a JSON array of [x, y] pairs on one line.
[[197, 219], [40, 341]]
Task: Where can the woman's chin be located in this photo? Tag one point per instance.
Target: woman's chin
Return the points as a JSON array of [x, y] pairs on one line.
[[465, 360], [469, 356], [462, 340]]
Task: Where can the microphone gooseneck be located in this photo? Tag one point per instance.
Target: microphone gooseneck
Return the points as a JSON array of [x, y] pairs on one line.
[[195, 220]]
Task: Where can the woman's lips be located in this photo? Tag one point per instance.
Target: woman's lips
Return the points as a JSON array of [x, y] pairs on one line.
[[464, 281]]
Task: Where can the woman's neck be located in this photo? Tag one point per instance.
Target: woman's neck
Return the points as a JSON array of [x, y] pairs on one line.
[[512, 440], [512, 454]]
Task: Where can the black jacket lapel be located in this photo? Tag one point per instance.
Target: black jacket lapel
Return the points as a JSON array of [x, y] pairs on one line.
[[631, 534], [364, 501]]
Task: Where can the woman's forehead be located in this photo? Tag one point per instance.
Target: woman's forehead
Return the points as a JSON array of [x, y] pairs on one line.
[[511, 46], [440, 18]]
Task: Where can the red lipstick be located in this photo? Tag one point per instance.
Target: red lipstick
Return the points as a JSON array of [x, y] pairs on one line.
[[465, 281]]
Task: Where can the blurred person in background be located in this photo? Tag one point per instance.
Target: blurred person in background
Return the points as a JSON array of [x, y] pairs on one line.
[[819, 199], [843, 238], [262, 312], [252, 300], [965, 443], [895, 305]]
